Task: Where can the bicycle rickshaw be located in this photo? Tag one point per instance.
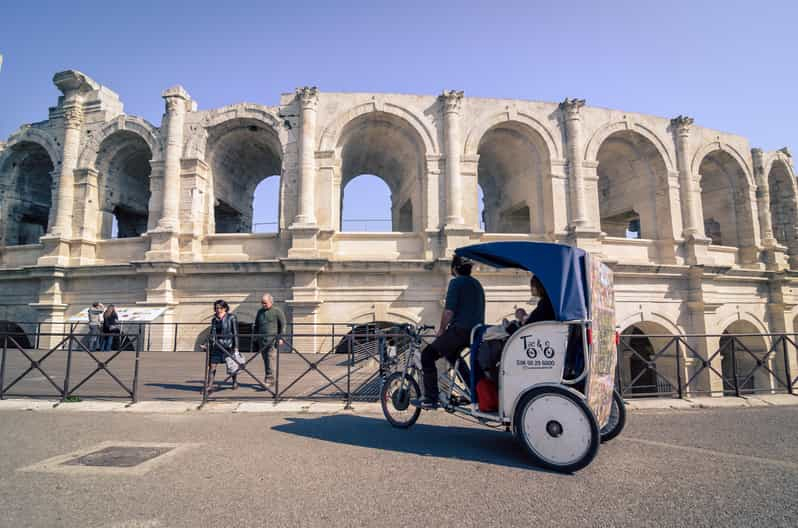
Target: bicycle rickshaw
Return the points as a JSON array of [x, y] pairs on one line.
[[555, 378]]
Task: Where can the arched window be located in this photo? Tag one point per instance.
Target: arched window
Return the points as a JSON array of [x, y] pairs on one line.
[[366, 206], [266, 206], [25, 193], [725, 201]]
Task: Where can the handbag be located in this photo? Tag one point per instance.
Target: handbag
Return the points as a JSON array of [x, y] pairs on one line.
[[233, 365]]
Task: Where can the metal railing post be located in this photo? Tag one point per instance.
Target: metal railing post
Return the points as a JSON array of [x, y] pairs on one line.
[[734, 368], [174, 341], [65, 393], [207, 371], [349, 374], [139, 345], [678, 368], [3, 368], [276, 370], [786, 364]]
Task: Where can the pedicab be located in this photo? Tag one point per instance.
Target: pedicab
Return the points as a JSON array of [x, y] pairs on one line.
[[555, 378]]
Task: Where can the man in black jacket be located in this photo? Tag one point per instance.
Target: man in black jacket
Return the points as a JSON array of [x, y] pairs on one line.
[[269, 325]]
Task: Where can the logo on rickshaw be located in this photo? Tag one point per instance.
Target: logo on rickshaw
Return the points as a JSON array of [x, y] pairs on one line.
[[534, 346]]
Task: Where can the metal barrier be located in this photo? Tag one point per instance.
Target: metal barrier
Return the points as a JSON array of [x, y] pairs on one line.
[[72, 344], [733, 368]]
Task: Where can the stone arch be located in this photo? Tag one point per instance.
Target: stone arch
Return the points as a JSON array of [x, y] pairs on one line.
[[474, 136], [605, 131], [647, 356], [387, 146], [331, 136], [726, 198], [783, 203], [27, 177], [778, 156], [747, 317], [741, 354], [132, 124], [122, 161], [514, 173], [242, 146], [708, 148], [662, 320], [42, 138], [632, 184]]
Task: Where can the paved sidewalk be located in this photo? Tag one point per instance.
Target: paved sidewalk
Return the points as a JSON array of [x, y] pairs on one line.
[[323, 407]]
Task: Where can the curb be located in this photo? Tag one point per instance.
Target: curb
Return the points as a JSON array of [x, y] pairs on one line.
[[316, 407]]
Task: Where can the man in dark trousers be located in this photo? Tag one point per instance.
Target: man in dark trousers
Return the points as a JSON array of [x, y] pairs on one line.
[[270, 324], [464, 309]]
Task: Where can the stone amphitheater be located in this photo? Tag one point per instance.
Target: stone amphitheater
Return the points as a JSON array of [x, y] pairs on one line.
[[96, 204]]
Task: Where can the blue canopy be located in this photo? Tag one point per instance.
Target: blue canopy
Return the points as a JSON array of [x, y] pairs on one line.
[[561, 269]]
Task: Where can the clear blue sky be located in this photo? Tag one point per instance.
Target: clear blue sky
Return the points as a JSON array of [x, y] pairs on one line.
[[729, 64]]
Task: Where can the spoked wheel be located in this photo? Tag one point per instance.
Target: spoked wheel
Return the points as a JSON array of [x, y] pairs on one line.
[[557, 428], [616, 421], [397, 391]]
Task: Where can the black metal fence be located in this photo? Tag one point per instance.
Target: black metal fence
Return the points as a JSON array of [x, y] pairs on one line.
[[344, 362], [706, 364]]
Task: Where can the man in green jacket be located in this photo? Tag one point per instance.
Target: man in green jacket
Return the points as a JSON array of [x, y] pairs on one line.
[[270, 324]]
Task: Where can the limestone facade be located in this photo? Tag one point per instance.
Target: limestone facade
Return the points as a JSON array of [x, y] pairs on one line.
[[699, 227]]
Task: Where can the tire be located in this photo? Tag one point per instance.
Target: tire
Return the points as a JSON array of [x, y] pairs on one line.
[[557, 428], [396, 405], [617, 419]]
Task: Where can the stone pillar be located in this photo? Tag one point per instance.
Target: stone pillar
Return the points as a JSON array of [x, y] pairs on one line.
[[762, 194], [308, 98], [573, 128], [452, 103], [85, 221], [177, 101], [304, 230], [689, 194], [164, 243], [73, 122]]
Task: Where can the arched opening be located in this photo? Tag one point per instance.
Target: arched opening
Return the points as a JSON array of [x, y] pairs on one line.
[[725, 201], [266, 206], [243, 153], [365, 202], [12, 336], [123, 163], [648, 360], [384, 146], [629, 171], [741, 355], [782, 204], [26, 185], [514, 175]]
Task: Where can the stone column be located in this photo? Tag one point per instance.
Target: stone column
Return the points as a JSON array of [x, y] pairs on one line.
[[177, 101], [573, 128], [308, 98], [73, 122], [692, 224], [763, 198], [452, 103]]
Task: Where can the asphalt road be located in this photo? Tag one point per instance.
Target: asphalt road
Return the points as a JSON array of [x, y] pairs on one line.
[[724, 467]]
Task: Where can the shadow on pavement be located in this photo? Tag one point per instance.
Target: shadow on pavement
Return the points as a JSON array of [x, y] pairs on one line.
[[460, 443]]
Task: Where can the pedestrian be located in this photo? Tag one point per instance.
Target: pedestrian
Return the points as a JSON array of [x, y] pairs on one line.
[[95, 326], [269, 326], [224, 343], [111, 327]]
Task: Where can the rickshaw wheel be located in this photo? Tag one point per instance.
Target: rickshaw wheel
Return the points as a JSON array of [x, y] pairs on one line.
[[557, 428], [616, 421], [395, 400]]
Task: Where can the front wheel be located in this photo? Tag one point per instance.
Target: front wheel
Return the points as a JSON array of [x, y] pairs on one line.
[[557, 428], [397, 391], [616, 421]]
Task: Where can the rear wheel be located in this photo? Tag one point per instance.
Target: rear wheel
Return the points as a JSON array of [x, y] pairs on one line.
[[616, 421], [557, 428], [397, 391]]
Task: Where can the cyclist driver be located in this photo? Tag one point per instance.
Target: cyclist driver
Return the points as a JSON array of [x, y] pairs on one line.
[[464, 308]]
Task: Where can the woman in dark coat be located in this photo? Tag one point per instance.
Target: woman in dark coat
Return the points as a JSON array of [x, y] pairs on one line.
[[111, 327], [224, 337]]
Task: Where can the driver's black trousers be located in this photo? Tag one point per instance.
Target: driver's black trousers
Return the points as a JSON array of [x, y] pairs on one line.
[[449, 345]]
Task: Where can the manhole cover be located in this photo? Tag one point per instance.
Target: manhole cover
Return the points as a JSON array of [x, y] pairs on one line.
[[112, 458], [118, 456]]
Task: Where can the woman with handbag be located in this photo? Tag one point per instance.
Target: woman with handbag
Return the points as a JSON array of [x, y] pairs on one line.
[[224, 343], [111, 328]]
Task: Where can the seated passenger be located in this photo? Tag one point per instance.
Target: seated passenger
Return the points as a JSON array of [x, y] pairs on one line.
[[544, 310]]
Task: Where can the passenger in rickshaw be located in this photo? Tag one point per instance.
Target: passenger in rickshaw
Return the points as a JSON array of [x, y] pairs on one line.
[[464, 308]]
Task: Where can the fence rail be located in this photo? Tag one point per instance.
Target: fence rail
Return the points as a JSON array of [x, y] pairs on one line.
[[345, 361]]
